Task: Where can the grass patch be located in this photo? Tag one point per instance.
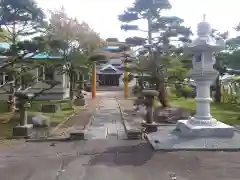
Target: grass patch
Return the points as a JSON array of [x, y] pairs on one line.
[[8, 120], [227, 113]]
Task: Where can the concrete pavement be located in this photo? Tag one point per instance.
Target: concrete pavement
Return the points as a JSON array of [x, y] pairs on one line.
[[107, 160]]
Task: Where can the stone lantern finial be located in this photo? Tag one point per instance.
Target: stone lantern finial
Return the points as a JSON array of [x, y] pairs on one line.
[[204, 17], [204, 28]]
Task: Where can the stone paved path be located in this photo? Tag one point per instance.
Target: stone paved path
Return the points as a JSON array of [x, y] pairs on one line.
[[106, 123]]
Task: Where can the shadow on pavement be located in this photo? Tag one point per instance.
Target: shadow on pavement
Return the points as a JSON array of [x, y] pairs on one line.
[[133, 155]]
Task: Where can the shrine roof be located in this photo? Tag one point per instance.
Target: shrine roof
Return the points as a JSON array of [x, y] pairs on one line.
[[41, 56]]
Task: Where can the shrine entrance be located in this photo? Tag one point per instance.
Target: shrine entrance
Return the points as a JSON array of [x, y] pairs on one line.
[[109, 76], [108, 79]]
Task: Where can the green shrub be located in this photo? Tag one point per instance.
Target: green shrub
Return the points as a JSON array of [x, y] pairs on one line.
[[187, 92], [183, 91]]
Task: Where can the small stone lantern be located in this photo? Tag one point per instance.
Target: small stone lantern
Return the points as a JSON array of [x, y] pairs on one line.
[[149, 103], [80, 100]]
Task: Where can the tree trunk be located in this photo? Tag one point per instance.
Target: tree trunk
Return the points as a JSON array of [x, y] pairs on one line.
[[13, 86], [218, 94], [163, 96], [11, 97]]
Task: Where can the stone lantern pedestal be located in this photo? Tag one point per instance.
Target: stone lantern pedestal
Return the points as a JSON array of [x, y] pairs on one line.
[[203, 124]]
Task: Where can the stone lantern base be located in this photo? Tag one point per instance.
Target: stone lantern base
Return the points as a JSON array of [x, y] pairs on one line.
[[22, 131], [79, 102], [217, 129]]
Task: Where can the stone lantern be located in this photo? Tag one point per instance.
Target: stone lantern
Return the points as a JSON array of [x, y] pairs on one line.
[[203, 73], [149, 102], [22, 104], [79, 100]]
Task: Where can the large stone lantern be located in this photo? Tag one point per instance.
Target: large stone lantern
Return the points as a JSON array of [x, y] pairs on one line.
[[203, 73]]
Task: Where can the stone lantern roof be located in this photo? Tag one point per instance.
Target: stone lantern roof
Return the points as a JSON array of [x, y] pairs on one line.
[[205, 42]]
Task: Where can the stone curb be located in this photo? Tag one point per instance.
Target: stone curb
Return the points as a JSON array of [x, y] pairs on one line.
[[48, 139], [130, 132]]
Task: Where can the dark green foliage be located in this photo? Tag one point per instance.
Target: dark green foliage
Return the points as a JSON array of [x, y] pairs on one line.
[[184, 91], [112, 40], [137, 41], [21, 17]]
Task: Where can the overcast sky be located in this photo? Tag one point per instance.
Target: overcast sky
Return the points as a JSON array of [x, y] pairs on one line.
[[102, 15]]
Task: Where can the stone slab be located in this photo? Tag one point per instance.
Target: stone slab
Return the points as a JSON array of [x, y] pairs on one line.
[[100, 133], [22, 131], [168, 139], [77, 134], [218, 130]]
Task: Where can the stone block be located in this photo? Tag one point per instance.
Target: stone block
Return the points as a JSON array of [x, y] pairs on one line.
[[50, 108], [218, 130], [22, 131], [77, 134], [134, 134], [79, 102], [151, 127]]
